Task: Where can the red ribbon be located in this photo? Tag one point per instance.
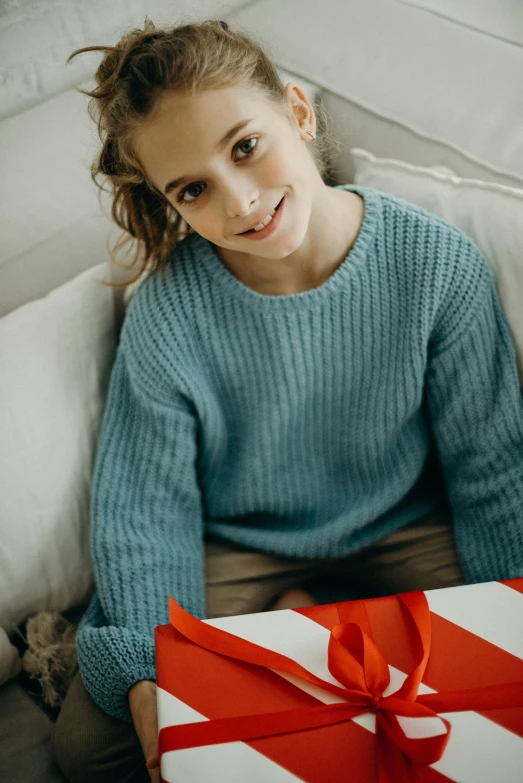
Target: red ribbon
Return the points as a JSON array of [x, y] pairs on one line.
[[356, 663]]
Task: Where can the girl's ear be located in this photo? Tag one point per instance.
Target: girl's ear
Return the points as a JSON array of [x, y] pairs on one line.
[[301, 109]]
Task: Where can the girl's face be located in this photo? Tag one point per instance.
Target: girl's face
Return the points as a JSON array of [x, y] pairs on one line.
[[225, 159]]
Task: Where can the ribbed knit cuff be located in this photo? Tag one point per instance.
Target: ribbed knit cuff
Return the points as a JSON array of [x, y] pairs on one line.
[[491, 551], [112, 660]]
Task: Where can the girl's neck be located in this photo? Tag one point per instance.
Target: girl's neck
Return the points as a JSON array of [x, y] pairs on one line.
[[335, 236]]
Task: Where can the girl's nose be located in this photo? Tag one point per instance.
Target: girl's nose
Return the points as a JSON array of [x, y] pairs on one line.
[[239, 202]]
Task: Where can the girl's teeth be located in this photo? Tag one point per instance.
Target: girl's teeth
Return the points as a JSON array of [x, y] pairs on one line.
[[265, 222]]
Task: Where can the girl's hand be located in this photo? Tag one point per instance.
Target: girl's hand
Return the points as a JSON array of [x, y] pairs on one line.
[[142, 703]]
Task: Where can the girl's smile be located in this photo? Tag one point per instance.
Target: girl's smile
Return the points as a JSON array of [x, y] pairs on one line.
[[270, 226]]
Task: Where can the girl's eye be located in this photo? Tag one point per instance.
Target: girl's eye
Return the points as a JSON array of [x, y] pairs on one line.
[[184, 190]]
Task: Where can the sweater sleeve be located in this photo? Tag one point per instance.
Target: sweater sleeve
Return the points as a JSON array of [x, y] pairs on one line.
[[146, 535], [475, 408]]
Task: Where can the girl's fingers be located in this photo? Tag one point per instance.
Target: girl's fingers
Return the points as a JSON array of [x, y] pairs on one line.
[[152, 763], [154, 774], [150, 733]]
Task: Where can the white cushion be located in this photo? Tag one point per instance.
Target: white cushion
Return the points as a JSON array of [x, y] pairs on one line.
[[402, 82], [56, 355], [491, 215]]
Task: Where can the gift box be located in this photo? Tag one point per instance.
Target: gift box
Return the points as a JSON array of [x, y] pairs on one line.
[[424, 686]]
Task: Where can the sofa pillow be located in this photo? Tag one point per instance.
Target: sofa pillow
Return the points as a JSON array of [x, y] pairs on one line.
[[491, 215], [56, 354]]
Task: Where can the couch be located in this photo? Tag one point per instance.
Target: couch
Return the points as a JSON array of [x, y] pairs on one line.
[[424, 98]]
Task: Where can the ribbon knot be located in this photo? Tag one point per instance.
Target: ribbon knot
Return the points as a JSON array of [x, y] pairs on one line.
[[361, 672]]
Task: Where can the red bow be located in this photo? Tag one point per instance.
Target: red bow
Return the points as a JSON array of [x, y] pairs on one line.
[[356, 663]]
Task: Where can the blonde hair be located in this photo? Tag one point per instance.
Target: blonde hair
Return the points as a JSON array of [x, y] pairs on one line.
[[131, 78]]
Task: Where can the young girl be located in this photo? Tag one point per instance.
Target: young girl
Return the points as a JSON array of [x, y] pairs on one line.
[[311, 381]]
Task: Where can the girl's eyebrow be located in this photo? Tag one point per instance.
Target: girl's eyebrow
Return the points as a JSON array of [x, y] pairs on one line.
[[221, 144]]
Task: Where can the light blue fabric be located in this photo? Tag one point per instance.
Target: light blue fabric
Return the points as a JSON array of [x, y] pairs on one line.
[[299, 424]]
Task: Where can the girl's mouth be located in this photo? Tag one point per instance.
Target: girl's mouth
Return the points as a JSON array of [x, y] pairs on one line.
[[269, 228]]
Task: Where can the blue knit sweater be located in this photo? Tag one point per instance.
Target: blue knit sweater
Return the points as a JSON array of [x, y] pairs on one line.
[[299, 424]]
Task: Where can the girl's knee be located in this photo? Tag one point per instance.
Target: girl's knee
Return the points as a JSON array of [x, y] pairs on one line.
[[294, 598], [71, 752], [89, 745]]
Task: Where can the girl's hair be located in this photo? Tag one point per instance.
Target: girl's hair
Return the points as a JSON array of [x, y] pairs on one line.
[[131, 78]]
